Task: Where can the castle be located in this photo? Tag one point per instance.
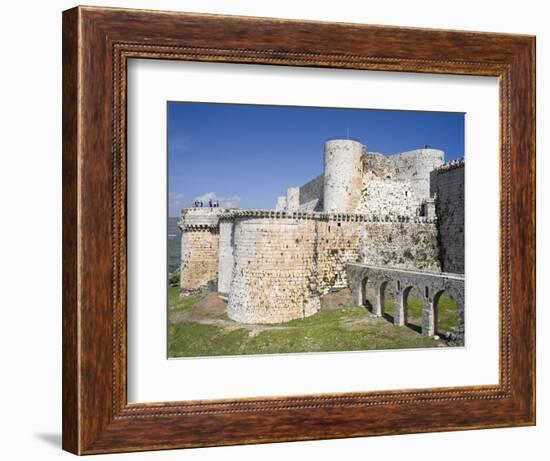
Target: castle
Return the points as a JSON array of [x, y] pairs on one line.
[[402, 213]]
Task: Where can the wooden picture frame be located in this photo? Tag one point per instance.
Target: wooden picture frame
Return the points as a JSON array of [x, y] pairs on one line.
[[97, 43]]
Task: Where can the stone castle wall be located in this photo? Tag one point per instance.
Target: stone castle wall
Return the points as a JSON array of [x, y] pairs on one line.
[[281, 203], [284, 263], [311, 195], [378, 165], [273, 264], [404, 243], [337, 245], [293, 198], [448, 186], [386, 197], [225, 263], [415, 166], [357, 181], [199, 256], [343, 175], [199, 247]]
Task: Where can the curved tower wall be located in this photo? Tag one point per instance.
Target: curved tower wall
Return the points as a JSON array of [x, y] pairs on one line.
[[415, 167], [343, 175], [274, 266]]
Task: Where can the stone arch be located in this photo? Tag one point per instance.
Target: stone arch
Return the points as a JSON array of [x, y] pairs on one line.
[[455, 293], [363, 281], [452, 318], [413, 315], [382, 296]]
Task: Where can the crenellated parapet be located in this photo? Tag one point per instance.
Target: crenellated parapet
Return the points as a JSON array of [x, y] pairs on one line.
[[201, 218], [323, 216], [458, 163]]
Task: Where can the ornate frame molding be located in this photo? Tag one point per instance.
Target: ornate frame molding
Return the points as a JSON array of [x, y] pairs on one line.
[[97, 43]]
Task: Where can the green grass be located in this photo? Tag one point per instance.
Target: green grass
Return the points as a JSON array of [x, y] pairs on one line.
[[347, 329], [322, 332], [177, 303], [447, 313], [188, 339]]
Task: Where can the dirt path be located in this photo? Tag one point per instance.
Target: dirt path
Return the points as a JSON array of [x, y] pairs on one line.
[[228, 325]]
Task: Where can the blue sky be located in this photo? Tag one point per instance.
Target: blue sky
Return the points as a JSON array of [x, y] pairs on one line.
[[247, 155]]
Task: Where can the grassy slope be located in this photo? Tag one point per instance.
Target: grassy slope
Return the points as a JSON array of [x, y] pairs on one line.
[[347, 329]]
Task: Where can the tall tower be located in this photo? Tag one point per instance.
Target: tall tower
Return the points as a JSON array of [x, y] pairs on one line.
[[343, 175]]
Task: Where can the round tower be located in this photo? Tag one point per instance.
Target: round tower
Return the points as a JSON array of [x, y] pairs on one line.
[[343, 175]]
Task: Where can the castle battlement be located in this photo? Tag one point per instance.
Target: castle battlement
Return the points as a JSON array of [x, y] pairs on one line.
[[459, 163], [322, 216], [201, 218]]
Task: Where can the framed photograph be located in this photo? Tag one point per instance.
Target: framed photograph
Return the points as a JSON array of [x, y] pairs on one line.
[[281, 230]]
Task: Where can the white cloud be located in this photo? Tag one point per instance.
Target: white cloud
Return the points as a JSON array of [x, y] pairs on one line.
[[225, 202]]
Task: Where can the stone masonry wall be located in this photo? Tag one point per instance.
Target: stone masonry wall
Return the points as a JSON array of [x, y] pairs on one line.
[[293, 198], [311, 195], [343, 175], [448, 185], [357, 181], [378, 165], [406, 245], [337, 245], [283, 265], [225, 263], [415, 166], [386, 197], [199, 258], [273, 264], [281, 203], [199, 247]]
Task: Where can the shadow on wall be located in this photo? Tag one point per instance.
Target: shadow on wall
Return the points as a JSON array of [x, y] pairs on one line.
[[50, 438]]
